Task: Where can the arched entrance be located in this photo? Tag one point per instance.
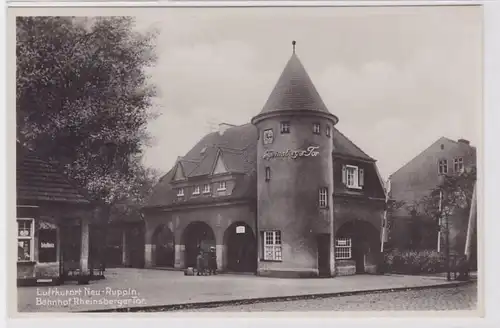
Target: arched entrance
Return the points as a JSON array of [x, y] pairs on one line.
[[365, 244], [163, 239], [197, 236], [241, 248]]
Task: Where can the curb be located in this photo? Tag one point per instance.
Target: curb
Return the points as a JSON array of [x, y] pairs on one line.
[[213, 304]]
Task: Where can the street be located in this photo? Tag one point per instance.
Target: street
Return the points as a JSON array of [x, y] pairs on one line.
[[437, 299]]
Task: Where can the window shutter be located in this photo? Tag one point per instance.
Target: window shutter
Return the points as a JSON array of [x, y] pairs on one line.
[[361, 177], [344, 174]]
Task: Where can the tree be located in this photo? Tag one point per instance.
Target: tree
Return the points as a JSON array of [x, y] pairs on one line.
[[84, 99]]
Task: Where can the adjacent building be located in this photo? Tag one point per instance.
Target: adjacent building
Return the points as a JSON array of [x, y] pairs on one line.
[[285, 195], [54, 223], [416, 179]]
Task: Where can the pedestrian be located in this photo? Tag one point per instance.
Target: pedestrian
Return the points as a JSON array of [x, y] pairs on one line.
[[199, 263], [212, 265]]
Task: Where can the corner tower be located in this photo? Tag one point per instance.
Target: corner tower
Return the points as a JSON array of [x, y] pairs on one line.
[[295, 178]]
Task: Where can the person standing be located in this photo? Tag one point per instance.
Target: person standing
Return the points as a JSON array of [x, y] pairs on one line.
[[199, 263]]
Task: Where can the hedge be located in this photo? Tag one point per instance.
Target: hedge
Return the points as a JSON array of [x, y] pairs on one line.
[[414, 262]]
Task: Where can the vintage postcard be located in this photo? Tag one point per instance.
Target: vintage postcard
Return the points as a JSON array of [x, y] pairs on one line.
[[260, 159]]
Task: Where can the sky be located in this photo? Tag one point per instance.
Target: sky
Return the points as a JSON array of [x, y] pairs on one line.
[[398, 78]]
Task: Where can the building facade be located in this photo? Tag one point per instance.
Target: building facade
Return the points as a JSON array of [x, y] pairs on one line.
[[287, 195], [55, 223], [414, 181]]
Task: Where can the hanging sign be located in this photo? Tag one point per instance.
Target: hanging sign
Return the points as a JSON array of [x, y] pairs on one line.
[[240, 229], [311, 151]]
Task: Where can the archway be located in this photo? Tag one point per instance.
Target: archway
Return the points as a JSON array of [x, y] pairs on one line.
[[198, 236], [365, 243], [241, 248], [163, 239]]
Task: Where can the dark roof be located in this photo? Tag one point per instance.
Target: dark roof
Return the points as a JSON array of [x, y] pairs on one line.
[[37, 180], [343, 146], [294, 91], [238, 149]]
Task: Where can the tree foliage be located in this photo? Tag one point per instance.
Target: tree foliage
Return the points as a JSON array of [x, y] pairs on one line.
[[84, 99]]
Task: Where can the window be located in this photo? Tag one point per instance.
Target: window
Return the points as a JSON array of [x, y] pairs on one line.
[[328, 131], [343, 248], [196, 190], [222, 186], [443, 166], [272, 246], [285, 127], [353, 177], [323, 197], [25, 232], [206, 188], [316, 128], [268, 173], [180, 192], [458, 164]]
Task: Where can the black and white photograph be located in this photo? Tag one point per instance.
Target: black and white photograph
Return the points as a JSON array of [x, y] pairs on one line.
[[260, 159]]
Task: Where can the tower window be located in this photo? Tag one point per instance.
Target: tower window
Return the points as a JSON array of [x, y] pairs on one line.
[[328, 131], [272, 246], [316, 128], [323, 197], [443, 167], [343, 247], [458, 164], [268, 173], [285, 127]]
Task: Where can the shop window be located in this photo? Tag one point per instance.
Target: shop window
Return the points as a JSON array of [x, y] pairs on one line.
[[272, 246], [222, 186], [285, 127], [180, 192], [196, 190], [47, 245], [316, 128], [268, 173], [328, 131], [343, 248], [353, 176], [206, 188], [25, 233], [443, 166], [323, 197], [458, 164]]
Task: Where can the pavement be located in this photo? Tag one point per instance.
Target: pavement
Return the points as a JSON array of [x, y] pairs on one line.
[[127, 288]]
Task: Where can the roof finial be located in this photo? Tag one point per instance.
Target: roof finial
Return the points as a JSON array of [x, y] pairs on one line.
[[293, 44]]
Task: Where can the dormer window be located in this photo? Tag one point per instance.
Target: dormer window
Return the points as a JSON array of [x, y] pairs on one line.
[[285, 127], [206, 188], [443, 167], [353, 177], [222, 186], [316, 128], [328, 131], [180, 192], [196, 190]]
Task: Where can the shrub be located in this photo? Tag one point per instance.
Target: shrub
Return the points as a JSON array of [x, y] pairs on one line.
[[413, 262]]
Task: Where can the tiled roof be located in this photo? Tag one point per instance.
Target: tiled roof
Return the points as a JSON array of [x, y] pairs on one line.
[[294, 91], [37, 180], [238, 148]]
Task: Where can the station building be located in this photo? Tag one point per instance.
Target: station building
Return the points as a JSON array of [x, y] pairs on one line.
[[285, 195]]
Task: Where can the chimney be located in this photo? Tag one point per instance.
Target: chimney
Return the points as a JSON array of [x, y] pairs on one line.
[[224, 126], [464, 141]]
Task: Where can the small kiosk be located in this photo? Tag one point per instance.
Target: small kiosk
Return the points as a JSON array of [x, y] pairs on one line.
[[56, 225]]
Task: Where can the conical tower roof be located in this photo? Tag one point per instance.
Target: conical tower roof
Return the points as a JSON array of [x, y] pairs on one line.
[[294, 92]]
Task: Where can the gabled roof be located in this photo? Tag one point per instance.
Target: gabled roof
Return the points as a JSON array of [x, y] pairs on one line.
[[294, 91], [343, 146], [37, 180]]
